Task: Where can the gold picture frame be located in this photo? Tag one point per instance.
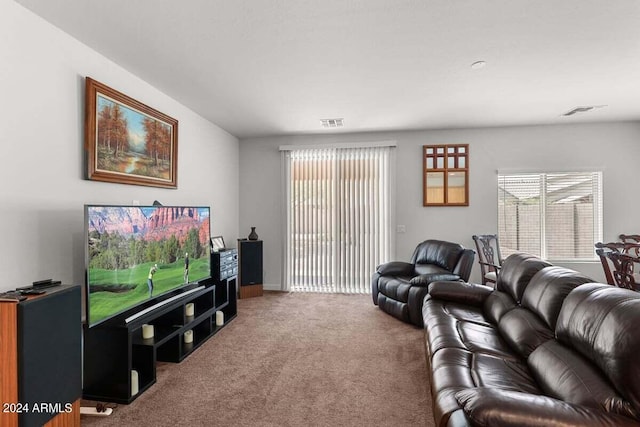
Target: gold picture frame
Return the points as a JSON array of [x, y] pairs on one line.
[[128, 142]]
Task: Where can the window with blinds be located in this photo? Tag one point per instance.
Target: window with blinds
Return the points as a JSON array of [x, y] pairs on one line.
[[557, 216], [338, 225]]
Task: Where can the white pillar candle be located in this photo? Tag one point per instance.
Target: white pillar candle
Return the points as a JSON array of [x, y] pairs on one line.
[[134, 382], [147, 331], [188, 337], [219, 318], [189, 309]]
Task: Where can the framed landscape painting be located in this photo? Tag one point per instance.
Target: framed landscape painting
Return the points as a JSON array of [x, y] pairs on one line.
[[127, 141]]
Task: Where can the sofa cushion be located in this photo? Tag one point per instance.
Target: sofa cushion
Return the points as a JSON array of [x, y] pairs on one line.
[[497, 304], [503, 408], [455, 369], [429, 269], [516, 273], [492, 276], [452, 310], [564, 374], [524, 330], [444, 330], [547, 290], [438, 252], [602, 323]]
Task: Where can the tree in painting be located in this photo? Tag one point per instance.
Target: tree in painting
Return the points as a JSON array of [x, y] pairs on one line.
[[158, 140], [131, 142]]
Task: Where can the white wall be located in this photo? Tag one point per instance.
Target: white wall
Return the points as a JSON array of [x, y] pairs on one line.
[[42, 190], [611, 147]]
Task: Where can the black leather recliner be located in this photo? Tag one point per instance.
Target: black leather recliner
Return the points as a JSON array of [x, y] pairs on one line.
[[399, 288], [545, 348]]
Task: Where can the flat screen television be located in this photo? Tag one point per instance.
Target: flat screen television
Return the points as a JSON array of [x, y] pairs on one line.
[[136, 254]]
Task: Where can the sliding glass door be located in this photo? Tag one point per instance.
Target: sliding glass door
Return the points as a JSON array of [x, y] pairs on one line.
[[338, 209]]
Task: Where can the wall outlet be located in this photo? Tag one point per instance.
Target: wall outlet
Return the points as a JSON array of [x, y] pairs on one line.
[[135, 202], [401, 228]]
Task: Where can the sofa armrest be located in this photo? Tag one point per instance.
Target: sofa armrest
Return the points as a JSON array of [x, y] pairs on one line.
[[396, 268], [462, 292], [500, 408], [426, 279]]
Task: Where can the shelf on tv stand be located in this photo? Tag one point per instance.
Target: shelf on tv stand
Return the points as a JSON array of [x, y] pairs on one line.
[[115, 348]]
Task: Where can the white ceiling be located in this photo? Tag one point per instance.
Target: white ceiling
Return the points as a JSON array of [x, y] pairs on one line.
[[273, 67]]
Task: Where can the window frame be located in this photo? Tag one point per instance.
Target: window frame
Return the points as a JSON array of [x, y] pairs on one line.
[[597, 194]]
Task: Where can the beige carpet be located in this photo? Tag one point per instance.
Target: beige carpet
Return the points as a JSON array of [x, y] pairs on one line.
[[293, 360]]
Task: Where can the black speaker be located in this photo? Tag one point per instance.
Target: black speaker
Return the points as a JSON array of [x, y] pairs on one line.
[[49, 354], [250, 260]]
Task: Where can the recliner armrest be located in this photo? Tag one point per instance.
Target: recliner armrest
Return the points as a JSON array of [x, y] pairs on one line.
[[396, 268], [462, 292], [426, 279], [492, 407]]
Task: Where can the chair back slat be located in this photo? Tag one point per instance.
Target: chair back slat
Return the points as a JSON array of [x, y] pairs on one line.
[[489, 258], [619, 261]]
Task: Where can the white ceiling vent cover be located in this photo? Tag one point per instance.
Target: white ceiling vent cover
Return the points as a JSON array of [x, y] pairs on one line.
[[582, 110], [332, 123]]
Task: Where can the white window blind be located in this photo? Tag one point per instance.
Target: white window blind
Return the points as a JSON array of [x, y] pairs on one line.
[[338, 217], [557, 216]]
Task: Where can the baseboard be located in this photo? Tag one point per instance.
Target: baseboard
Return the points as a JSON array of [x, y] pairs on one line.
[[272, 287]]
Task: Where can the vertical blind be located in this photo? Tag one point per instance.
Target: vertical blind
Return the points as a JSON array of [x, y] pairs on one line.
[[557, 216], [338, 217]]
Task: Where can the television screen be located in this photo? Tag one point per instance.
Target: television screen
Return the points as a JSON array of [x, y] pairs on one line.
[[136, 253]]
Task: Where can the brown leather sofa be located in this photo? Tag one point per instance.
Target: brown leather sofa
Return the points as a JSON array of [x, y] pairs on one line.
[[546, 348], [399, 288]]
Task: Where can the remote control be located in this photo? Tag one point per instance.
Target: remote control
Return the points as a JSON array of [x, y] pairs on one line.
[[12, 296], [32, 292], [42, 282], [46, 284]]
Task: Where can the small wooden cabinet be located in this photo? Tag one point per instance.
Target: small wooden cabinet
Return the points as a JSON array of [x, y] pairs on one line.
[[114, 349], [41, 359]]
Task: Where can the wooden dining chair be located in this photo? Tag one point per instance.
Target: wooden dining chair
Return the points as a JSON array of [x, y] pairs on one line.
[[624, 272], [489, 258], [616, 267]]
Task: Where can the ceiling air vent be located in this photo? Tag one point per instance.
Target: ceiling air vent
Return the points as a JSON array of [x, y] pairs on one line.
[[332, 123], [582, 110]]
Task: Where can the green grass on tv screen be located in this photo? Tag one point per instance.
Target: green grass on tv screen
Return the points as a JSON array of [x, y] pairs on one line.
[[106, 298]]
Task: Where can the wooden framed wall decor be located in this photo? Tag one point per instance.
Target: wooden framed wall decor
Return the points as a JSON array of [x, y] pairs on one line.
[[445, 175], [127, 141]]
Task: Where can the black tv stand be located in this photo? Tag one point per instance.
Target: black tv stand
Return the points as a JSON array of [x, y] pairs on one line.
[[114, 348]]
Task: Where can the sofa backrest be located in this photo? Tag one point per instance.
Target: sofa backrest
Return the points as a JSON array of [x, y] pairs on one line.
[[533, 323], [438, 252], [548, 289], [602, 324], [516, 272]]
